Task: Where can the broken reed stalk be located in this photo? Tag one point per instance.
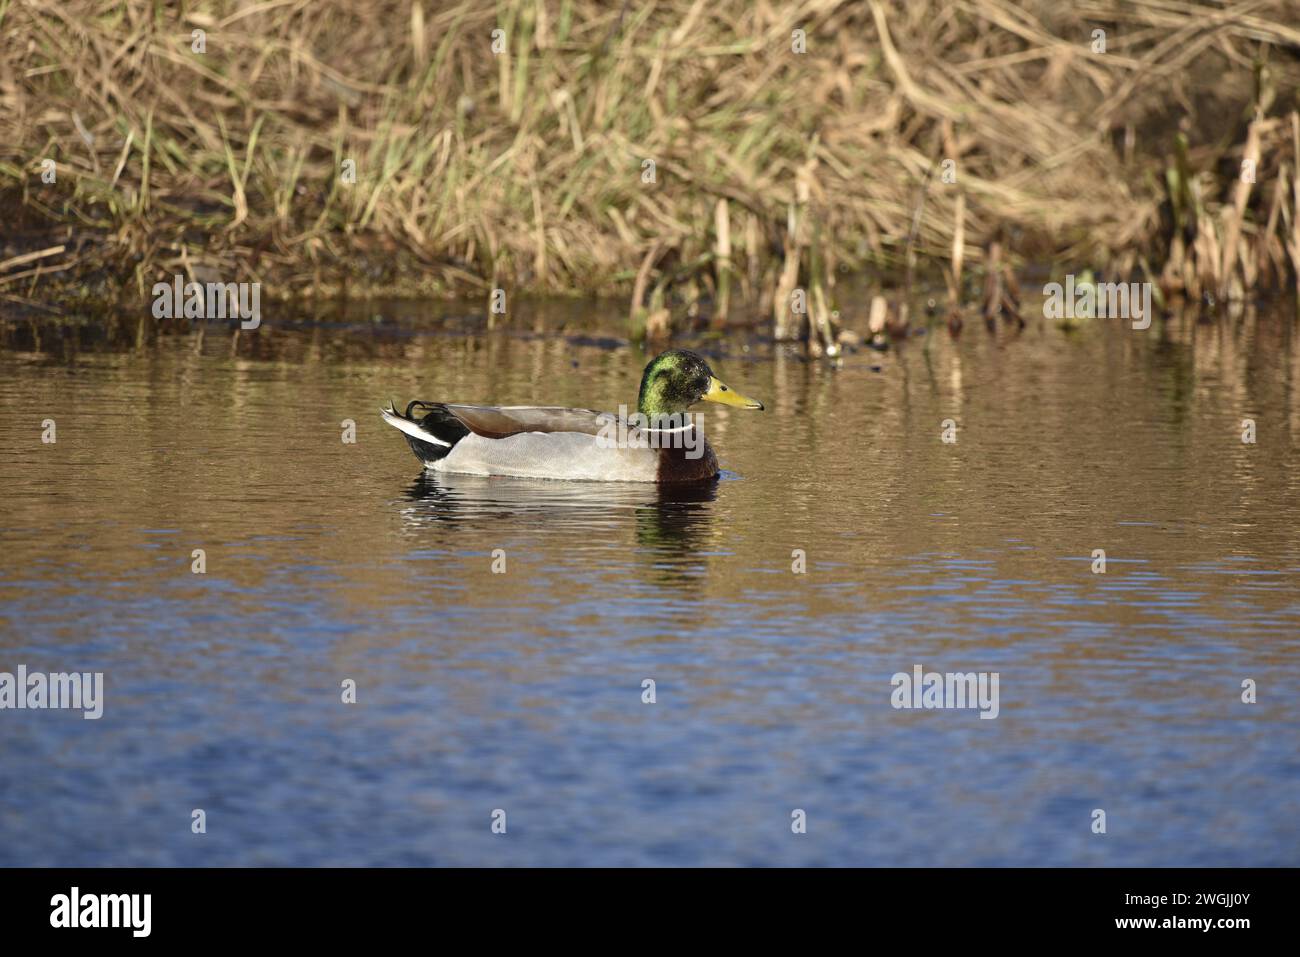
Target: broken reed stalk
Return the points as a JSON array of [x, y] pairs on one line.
[[784, 317], [992, 283], [722, 265], [909, 255], [954, 273], [1294, 242], [1001, 288], [820, 332], [877, 318], [645, 318], [1235, 214]]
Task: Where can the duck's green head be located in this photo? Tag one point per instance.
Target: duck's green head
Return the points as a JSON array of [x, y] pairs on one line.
[[677, 379]]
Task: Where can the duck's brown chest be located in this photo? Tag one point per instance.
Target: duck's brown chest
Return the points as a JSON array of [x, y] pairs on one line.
[[688, 465]]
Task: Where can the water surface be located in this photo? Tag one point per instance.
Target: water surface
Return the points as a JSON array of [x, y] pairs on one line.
[[329, 561]]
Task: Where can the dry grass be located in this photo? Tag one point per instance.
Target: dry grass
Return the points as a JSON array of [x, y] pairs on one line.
[[525, 169]]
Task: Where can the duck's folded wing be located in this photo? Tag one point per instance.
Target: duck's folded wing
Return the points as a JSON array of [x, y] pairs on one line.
[[498, 422]]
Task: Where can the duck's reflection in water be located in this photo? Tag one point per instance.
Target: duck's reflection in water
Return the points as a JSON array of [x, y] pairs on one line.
[[668, 527]]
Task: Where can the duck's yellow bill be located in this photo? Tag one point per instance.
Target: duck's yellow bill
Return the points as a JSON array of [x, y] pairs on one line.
[[718, 392]]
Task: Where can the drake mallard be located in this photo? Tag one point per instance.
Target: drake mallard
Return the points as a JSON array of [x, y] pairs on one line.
[[661, 444]]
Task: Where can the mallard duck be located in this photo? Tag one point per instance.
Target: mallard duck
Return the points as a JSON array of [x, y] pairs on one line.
[[661, 444]]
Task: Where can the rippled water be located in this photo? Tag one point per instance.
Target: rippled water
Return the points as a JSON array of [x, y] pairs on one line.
[[329, 561]]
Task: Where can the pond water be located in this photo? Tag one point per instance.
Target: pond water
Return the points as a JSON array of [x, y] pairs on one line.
[[329, 561]]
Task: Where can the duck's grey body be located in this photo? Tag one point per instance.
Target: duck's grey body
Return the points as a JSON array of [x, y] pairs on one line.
[[559, 455], [548, 442]]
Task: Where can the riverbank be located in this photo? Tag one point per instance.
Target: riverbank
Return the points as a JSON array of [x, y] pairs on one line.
[[683, 156]]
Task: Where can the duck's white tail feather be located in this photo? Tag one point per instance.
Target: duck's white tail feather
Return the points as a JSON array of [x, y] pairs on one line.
[[412, 429]]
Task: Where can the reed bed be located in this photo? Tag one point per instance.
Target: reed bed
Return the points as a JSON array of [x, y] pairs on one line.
[[712, 161]]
